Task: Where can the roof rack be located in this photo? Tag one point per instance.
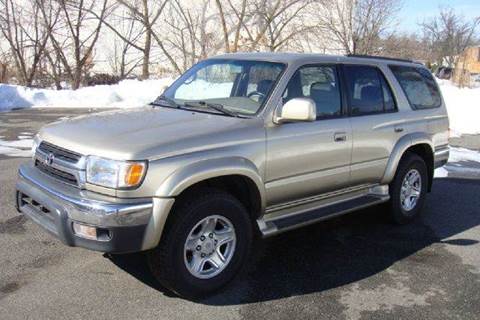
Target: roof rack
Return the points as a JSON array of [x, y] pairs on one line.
[[381, 58]]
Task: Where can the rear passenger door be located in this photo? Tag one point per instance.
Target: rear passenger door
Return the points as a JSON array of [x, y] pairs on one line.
[[372, 110]]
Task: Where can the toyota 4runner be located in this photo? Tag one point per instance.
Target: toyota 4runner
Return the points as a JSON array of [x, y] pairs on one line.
[[241, 144]]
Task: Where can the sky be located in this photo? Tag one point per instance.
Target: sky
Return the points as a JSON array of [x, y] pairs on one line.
[[415, 11]]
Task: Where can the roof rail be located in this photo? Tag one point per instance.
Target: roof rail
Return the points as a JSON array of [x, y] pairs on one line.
[[381, 58]]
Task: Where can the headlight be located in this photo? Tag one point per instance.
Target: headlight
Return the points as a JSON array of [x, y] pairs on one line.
[[115, 174], [35, 144]]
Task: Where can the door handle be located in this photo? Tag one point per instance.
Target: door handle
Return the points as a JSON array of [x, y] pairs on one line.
[[398, 129], [340, 137]]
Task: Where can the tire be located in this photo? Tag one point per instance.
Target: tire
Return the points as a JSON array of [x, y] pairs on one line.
[[168, 262], [411, 164]]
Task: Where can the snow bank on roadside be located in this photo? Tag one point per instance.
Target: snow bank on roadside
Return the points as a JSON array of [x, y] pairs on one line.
[[127, 93], [463, 107], [461, 160]]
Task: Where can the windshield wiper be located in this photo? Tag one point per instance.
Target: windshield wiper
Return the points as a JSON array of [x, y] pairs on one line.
[[215, 106], [171, 103]]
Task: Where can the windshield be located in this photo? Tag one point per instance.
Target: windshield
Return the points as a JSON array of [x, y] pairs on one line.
[[237, 86]]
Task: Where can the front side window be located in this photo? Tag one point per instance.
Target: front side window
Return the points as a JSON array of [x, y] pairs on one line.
[[365, 90], [419, 86], [240, 86], [319, 83]]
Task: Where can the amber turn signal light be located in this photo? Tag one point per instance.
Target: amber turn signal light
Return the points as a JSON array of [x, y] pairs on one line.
[[134, 174]]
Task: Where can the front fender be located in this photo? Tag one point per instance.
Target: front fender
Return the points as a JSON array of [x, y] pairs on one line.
[[199, 171], [400, 147], [189, 175]]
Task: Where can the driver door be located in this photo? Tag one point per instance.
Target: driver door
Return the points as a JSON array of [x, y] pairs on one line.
[[306, 159]]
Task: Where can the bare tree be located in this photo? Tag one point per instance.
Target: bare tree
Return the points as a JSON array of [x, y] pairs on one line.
[[449, 34], [82, 31], [223, 21], [239, 17], [55, 67], [358, 25], [261, 24], [280, 21], [233, 15], [27, 39], [124, 60], [50, 16], [4, 63], [190, 35], [406, 46], [148, 15]]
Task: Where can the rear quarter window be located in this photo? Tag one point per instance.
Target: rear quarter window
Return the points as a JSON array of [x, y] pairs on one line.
[[419, 86]]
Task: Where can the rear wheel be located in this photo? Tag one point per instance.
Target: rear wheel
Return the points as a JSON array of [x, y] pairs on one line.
[[408, 189], [204, 244]]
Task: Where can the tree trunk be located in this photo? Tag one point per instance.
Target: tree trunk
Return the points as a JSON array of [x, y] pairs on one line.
[[77, 78], [224, 26], [146, 55]]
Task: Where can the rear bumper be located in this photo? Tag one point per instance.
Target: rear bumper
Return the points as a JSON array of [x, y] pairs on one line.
[[122, 223], [441, 156]]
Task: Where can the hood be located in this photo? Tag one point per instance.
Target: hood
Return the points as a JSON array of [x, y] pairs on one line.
[[150, 133]]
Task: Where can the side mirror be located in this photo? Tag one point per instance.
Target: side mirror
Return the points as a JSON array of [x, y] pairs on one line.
[[295, 110]]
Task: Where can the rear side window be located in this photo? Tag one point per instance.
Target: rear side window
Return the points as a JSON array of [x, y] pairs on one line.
[[419, 86], [369, 92]]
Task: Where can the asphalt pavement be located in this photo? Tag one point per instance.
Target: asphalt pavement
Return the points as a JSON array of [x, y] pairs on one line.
[[358, 266]]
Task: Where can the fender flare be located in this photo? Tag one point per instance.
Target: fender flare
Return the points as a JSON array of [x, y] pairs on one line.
[[399, 149], [189, 175], [199, 171]]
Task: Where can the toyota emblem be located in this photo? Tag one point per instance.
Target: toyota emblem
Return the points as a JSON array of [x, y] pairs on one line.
[[49, 159]]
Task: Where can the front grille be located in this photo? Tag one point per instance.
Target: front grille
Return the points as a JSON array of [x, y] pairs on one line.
[[58, 174], [59, 153]]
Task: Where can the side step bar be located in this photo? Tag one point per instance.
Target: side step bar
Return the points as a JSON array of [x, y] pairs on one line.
[[280, 224]]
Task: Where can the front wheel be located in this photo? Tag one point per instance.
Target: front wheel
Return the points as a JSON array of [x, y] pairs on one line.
[[204, 244], [408, 189]]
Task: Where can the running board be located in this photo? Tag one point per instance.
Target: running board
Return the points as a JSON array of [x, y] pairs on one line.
[[284, 223]]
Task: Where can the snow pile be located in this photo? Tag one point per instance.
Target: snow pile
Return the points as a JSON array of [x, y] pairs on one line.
[[127, 93], [461, 161], [463, 154], [463, 107]]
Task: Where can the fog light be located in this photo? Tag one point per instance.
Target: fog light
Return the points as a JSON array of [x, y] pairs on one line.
[[85, 231]]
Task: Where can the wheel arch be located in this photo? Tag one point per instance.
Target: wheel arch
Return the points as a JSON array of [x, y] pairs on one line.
[[230, 173], [418, 143], [235, 175]]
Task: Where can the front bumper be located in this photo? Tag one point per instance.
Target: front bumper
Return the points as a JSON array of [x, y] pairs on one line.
[[123, 222]]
